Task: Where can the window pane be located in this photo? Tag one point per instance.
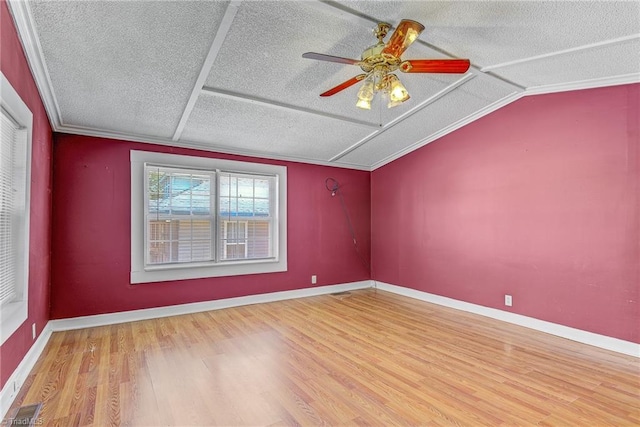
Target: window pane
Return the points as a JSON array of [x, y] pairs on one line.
[[163, 245], [245, 207], [245, 187], [233, 242], [262, 188], [245, 225], [156, 194], [181, 240], [178, 193], [179, 223]]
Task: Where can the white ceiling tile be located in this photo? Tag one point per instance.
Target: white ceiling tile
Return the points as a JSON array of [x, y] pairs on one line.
[[276, 70], [129, 68], [596, 63], [273, 66], [472, 96], [492, 32], [125, 66], [245, 127]]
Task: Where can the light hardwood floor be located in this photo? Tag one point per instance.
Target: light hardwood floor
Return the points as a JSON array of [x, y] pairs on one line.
[[363, 358]]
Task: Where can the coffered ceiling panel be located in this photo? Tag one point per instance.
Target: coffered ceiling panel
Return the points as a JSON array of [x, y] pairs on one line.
[[224, 122], [276, 71], [492, 32], [427, 123], [229, 75], [126, 67], [594, 63]]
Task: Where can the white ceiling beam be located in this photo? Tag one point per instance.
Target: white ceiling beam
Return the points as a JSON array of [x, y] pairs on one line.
[[465, 78], [216, 45], [562, 52], [281, 105], [344, 12]]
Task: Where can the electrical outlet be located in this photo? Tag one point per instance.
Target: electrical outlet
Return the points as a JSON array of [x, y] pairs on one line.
[[33, 331], [314, 279], [508, 301]]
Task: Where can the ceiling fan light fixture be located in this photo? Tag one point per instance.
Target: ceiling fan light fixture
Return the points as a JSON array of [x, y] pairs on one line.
[[365, 94], [364, 104], [397, 92], [378, 62]]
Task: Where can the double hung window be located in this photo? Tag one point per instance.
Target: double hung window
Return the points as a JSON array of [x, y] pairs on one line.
[[16, 123], [212, 217]]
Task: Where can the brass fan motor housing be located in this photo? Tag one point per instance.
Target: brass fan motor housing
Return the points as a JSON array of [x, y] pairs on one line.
[[373, 57]]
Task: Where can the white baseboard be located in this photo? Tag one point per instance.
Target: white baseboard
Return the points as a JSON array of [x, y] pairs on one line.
[[17, 379], [196, 307], [590, 338]]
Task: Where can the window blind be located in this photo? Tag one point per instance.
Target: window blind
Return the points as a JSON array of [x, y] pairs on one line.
[[8, 138]]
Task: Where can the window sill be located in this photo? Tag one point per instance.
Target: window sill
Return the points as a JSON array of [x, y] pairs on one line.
[[13, 315], [165, 273]]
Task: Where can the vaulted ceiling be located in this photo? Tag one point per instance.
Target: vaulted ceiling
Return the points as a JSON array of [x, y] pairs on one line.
[[230, 77]]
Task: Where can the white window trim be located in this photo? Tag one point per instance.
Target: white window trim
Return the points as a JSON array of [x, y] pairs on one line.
[[15, 313], [192, 270]]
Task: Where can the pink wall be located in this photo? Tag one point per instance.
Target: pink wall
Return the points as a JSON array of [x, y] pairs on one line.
[[14, 66], [539, 200], [91, 232]]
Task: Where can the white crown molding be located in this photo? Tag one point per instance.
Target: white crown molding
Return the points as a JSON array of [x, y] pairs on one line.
[[562, 52], [192, 145], [578, 335], [25, 25], [452, 127], [214, 49], [584, 84], [19, 375]]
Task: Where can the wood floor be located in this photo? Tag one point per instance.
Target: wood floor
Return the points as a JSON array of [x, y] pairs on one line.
[[363, 358]]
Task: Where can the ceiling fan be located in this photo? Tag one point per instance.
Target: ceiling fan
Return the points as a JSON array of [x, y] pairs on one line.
[[381, 60]]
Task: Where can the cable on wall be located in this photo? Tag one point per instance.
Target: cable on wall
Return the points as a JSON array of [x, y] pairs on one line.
[[334, 187]]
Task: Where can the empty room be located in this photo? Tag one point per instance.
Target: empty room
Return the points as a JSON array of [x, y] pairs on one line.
[[342, 213]]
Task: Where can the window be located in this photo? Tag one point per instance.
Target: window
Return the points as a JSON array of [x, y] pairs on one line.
[[15, 176], [198, 217]]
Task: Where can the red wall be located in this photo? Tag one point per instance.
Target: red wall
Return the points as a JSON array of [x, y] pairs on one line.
[[14, 66], [539, 200], [91, 232]]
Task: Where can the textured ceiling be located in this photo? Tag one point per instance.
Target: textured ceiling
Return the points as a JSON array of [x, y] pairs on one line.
[[230, 77]]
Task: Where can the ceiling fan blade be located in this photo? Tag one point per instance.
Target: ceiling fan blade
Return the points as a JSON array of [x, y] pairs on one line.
[[456, 66], [405, 34], [323, 57], [344, 85]]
